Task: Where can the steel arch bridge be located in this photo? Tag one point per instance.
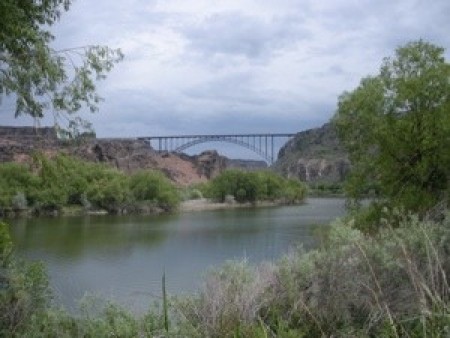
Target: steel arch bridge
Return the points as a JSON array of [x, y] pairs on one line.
[[261, 144]]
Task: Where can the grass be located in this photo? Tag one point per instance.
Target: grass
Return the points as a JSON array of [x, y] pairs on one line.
[[392, 284]]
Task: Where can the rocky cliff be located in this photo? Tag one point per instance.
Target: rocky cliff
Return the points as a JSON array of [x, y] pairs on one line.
[[248, 165], [17, 144], [314, 155]]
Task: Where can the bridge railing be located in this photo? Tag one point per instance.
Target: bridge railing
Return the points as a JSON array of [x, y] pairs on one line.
[[262, 144]]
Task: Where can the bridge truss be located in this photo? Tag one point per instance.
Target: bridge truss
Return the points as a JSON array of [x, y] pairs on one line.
[[261, 144]]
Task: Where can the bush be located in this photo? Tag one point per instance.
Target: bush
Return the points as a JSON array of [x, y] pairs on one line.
[[228, 302], [294, 191], [50, 184], [19, 201], [394, 284], [24, 288], [5, 245], [255, 186], [154, 187], [271, 185], [14, 178], [111, 193]]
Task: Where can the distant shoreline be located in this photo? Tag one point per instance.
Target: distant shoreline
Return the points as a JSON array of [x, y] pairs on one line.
[[204, 204], [197, 205]]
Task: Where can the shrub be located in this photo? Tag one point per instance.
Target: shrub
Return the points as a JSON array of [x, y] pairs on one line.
[[5, 245], [14, 178], [271, 185], [228, 302], [255, 186], [50, 184], [293, 191], [155, 187], [19, 201], [394, 284], [24, 288], [111, 193]]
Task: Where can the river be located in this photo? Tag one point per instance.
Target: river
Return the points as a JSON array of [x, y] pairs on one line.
[[123, 257]]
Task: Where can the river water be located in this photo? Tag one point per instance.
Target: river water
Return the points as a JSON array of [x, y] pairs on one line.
[[123, 257]]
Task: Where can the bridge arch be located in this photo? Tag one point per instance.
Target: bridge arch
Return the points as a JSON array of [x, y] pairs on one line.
[[268, 158], [261, 144]]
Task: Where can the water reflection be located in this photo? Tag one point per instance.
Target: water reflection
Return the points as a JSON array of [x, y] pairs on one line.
[[75, 236], [124, 257]]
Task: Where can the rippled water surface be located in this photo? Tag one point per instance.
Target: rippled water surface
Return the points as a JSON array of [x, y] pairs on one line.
[[123, 257]]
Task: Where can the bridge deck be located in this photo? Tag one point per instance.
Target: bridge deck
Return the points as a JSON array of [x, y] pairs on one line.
[[260, 143]]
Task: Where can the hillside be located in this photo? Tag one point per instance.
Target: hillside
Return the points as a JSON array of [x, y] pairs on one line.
[[314, 155], [17, 144]]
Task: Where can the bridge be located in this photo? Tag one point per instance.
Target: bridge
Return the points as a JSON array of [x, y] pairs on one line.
[[261, 144]]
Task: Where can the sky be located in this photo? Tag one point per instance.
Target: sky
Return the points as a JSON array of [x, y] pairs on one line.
[[237, 66]]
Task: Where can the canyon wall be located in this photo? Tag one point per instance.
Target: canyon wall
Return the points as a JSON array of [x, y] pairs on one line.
[[17, 144], [314, 155]]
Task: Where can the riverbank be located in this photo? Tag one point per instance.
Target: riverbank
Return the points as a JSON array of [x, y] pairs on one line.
[[204, 204], [197, 205], [83, 254], [352, 286]]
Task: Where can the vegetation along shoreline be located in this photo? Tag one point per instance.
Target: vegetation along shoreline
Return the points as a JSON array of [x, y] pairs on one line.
[[382, 271]]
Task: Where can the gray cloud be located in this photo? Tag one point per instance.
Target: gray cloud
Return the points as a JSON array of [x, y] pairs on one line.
[[237, 66], [237, 34]]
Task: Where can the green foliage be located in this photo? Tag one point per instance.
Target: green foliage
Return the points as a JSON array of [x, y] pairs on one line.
[[326, 189], [14, 178], [24, 292], [227, 304], [395, 126], [294, 191], [5, 245], [42, 78], [50, 184], [111, 192], [254, 186], [242, 185], [271, 185], [51, 192], [394, 284], [155, 187]]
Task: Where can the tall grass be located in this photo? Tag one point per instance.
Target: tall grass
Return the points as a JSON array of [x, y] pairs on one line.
[[393, 284]]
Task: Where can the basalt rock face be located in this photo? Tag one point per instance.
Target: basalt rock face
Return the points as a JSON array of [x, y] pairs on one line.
[[131, 155], [210, 163], [314, 155], [128, 155], [248, 165], [17, 144]]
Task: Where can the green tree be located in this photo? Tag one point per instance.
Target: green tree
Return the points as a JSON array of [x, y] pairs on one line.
[[111, 192], [38, 75], [254, 186], [14, 179], [396, 127], [155, 187]]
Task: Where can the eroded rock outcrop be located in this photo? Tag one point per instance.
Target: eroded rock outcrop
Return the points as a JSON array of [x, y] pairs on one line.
[[314, 155], [128, 155], [17, 144]]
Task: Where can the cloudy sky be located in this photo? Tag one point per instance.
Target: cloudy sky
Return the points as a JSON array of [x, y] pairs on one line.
[[232, 66]]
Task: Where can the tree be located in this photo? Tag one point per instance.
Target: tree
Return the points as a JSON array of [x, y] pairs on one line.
[[41, 78], [396, 128]]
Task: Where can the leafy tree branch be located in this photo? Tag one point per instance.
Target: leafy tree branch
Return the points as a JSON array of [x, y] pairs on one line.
[[44, 80]]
